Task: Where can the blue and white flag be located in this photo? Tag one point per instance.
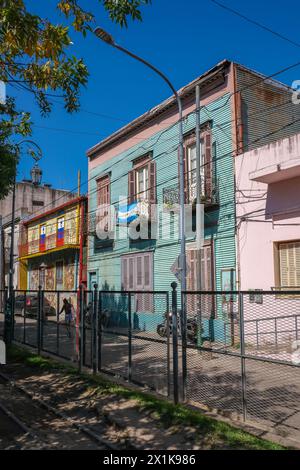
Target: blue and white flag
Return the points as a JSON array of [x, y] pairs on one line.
[[128, 213]]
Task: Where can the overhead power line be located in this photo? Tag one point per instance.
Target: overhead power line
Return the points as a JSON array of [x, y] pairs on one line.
[[256, 23]]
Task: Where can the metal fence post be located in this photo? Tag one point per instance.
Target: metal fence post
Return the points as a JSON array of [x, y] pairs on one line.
[[100, 333], [129, 338], [81, 313], [13, 316], [39, 316], [183, 340], [57, 322], [95, 330], [24, 318], [8, 316], [168, 345], [243, 360], [175, 341]]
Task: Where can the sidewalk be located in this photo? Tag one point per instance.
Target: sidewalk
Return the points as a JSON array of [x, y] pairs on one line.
[[143, 421]]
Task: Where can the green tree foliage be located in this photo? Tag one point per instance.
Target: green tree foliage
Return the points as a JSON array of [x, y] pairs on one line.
[[12, 124], [35, 54]]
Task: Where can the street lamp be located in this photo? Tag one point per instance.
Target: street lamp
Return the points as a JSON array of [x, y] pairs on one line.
[[106, 37], [8, 320]]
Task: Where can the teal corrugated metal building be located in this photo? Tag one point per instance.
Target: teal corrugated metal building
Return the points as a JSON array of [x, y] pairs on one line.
[[231, 96]]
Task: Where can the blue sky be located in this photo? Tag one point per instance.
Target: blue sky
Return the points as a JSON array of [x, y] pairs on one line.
[[183, 38]]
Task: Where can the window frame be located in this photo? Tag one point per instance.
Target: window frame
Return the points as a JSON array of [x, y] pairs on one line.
[[206, 170], [142, 302], [149, 194], [103, 184], [277, 264]]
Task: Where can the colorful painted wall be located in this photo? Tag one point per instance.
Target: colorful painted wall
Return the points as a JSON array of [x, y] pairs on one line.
[[50, 249], [220, 222]]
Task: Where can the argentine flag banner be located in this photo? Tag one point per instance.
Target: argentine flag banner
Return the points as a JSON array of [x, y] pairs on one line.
[[128, 213]]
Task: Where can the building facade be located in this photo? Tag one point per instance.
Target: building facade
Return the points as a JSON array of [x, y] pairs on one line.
[[30, 199], [139, 164], [268, 215], [52, 249]]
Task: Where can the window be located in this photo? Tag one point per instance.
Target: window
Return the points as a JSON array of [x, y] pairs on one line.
[[192, 169], [142, 181], [37, 203], [103, 201], [42, 237], [288, 272], [60, 236], [190, 166], [206, 268], [207, 278], [103, 191], [59, 278], [137, 275]]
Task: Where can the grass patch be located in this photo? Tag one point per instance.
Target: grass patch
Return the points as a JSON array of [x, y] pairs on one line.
[[214, 431]]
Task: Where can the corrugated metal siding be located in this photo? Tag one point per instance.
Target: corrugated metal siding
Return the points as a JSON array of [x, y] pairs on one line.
[[164, 147], [268, 112]]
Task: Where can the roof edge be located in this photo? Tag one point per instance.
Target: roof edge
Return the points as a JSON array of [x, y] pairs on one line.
[[72, 202], [156, 110]]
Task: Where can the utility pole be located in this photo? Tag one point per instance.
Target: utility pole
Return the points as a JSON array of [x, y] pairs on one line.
[[199, 208], [8, 321]]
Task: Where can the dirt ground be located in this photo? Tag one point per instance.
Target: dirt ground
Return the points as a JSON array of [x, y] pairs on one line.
[[120, 420]]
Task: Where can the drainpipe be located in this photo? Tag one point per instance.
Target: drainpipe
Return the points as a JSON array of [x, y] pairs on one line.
[[81, 225]]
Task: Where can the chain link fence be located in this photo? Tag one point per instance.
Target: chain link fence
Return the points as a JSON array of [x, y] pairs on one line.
[[235, 352], [246, 355], [125, 334]]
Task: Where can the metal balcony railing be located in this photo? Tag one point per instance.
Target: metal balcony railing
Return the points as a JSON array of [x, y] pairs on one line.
[[209, 194], [50, 242]]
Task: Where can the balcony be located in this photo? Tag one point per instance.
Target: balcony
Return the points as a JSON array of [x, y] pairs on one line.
[[276, 172], [141, 209], [209, 195], [50, 242], [99, 243]]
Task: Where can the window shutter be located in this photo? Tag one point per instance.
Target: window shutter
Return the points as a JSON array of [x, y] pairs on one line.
[[152, 182], [131, 187], [289, 264], [147, 281], [124, 273], [284, 272], [131, 274], [207, 165], [297, 263], [139, 273]]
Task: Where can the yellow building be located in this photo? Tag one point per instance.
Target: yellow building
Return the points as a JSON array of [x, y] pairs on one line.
[[52, 248]]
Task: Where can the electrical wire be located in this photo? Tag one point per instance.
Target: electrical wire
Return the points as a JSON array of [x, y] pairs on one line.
[[256, 23]]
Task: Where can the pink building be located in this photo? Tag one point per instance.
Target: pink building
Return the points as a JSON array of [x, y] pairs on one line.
[[268, 215], [268, 242]]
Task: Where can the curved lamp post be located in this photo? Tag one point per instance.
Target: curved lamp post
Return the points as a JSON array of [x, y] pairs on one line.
[[8, 321], [106, 37]]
